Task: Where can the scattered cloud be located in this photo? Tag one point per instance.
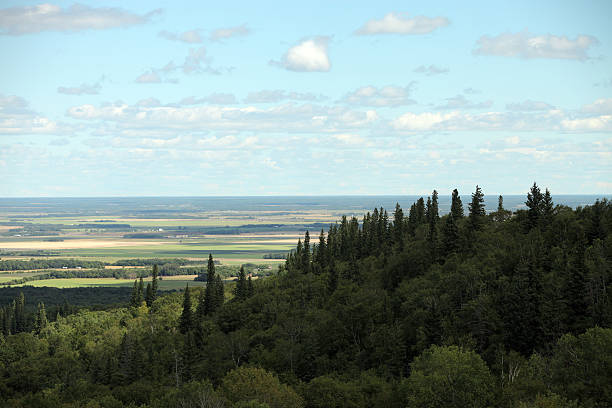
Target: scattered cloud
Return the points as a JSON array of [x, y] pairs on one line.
[[596, 124], [215, 99], [401, 23], [17, 118], [471, 91], [460, 102], [385, 96], [308, 56], [138, 119], [83, 89], [78, 17], [225, 33], [600, 106], [529, 105], [149, 77], [527, 46], [349, 138], [430, 70], [273, 96], [190, 36]]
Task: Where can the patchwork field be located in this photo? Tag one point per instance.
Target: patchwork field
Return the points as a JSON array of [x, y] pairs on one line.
[[91, 230]]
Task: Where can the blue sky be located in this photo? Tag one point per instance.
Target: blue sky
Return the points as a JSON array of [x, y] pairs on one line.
[[271, 98]]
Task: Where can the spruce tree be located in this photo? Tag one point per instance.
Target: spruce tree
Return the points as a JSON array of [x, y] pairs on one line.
[[240, 291], [250, 289], [456, 205], [306, 253], [209, 300], [200, 308], [20, 317], [434, 206], [534, 206], [477, 210], [154, 283], [141, 293], [186, 321], [322, 251], [547, 208], [41, 317], [420, 211], [332, 279], [450, 239], [398, 226], [134, 297], [149, 295], [219, 296]]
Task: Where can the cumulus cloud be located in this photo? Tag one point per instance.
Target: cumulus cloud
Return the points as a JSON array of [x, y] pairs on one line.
[[308, 56], [149, 77], [526, 45], [190, 36], [529, 105], [385, 96], [281, 118], [215, 99], [430, 70], [401, 23], [277, 95], [460, 102], [50, 17], [600, 106], [83, 89], [229, 32], [597, 124], [17, 118]]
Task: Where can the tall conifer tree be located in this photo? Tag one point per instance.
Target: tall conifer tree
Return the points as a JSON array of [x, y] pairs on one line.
[[456, 205], [186, 321], [477, 210]]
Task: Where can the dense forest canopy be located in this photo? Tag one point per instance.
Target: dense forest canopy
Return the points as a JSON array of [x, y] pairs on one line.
[[400, 309]]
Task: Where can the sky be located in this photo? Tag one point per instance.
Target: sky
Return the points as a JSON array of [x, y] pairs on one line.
[[192, 98]]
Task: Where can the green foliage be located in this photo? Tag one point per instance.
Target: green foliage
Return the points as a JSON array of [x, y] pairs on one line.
[[449, 377]]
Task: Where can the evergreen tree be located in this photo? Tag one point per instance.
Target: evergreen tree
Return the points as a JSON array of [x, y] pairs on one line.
[[420, 211], [134, 297], [322, 251], [250, 289], [547, 208], [450, 241], [141, 292], [240, 291], [149, 295], [41, 317], [186, 321], [434, 206], [534, 206], [200, 308], [219, 295], [20, 317], [154, 283], [398, 226], [209, 300], [332, 279], [477, 210], [456, 205], [306, 253]]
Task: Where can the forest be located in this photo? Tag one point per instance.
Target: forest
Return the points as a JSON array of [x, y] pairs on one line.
[[407, 308]]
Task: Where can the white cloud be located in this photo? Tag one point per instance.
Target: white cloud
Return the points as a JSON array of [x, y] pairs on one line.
[[190, 36], [17, 118], [600, 106], [526, 45], [272, 96], [229, 32], [460, 102], [83, 89], [150, 77], [136, 120], [600, 123], [307, 56], [529, 105], [50, 17], [401, 23], [385, 96], [430, 70], [349, 138], [215, 99], [422, 121]]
